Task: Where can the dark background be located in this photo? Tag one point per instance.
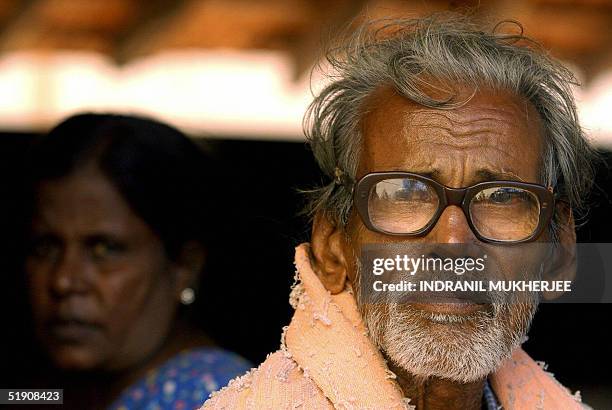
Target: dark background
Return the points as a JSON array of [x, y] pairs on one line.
[[243, 302]]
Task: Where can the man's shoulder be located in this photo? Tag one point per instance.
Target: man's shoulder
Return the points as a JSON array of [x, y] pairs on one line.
[[277, 383]]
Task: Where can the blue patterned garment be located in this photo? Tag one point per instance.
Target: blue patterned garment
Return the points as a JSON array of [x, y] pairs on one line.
[[183, 382], [489, 398]]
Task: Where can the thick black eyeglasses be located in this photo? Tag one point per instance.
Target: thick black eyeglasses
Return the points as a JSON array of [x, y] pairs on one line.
[[407, 204]]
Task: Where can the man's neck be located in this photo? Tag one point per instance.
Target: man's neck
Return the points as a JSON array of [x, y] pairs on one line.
[[436, 393]]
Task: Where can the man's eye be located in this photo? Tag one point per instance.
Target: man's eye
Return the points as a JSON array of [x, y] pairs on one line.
[[416, 191], [505, 195]]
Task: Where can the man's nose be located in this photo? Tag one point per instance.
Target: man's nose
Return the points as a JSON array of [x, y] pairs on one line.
[[452, 227], [69, 273]]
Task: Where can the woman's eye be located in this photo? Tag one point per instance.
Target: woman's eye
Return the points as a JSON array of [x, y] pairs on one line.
[[44, 248], [105, 248], [99, 250]]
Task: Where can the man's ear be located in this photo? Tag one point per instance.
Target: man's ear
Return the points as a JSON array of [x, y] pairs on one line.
[[188, 265], [327, 246], [562, 265]]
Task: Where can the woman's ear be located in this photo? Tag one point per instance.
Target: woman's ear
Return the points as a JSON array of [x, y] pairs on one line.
[[329, 261], [562, 265], [188, 266]]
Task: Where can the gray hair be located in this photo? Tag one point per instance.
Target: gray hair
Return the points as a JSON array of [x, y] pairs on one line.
[[454, 49]]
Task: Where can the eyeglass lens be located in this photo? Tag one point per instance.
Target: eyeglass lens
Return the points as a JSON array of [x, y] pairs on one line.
[[407, 205]]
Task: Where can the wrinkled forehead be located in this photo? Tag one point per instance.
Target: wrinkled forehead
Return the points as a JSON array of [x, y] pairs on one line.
[[495, 132]]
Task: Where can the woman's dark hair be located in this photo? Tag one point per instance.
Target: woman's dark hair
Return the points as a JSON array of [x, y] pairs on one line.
[[165, 177]]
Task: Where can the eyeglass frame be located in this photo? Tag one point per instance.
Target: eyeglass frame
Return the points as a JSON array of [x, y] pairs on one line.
[[448, 196]]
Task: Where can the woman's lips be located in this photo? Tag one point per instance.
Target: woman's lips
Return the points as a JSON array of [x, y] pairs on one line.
[[73, 330]]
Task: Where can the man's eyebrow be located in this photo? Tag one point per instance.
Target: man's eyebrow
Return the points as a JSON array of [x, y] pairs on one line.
[[483, 175]]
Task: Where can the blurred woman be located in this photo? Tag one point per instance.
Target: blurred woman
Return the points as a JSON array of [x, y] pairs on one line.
[[122, 214]]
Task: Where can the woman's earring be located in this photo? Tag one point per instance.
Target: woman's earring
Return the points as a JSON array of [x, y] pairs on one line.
[[187, 296]]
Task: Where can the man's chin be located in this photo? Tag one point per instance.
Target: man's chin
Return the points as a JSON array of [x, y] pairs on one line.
[[463, 343]]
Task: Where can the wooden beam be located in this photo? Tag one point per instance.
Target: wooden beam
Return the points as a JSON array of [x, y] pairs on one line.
[[153, 19], [66, 24], [238, 24]]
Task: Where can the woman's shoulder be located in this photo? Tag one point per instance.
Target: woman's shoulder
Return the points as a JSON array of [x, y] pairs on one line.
[[208, 359], [183, 381]]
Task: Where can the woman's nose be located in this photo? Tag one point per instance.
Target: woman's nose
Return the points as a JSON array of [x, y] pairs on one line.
[[68, 274]]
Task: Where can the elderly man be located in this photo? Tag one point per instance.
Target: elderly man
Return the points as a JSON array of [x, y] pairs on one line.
[[468, 125]]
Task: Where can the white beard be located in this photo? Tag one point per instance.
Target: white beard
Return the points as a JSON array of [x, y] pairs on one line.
[[456, 347]]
